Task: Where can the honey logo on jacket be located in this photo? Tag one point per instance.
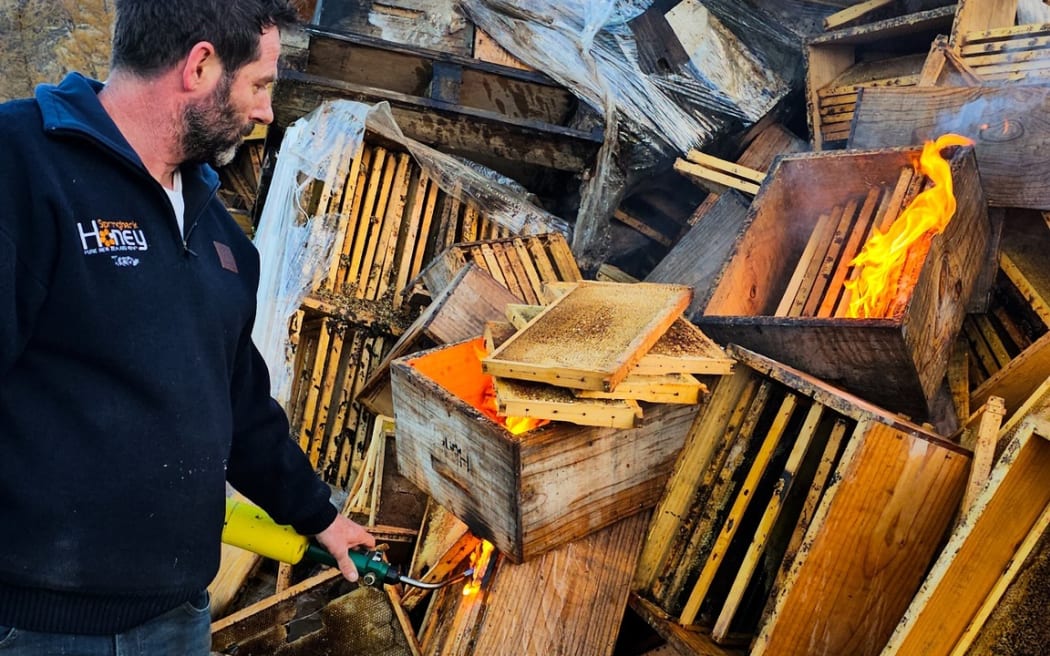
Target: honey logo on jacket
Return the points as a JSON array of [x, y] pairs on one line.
[[106, 236]]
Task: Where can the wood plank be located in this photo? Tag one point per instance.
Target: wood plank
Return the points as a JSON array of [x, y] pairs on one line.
[[519, 314], [347, 170], [719, 486], [718, 164], [444, 544], [857, 236], [354, 369], [702, 253], [543, 263], [1020, 557], [809, 264], [521, 269], [266, 613], [667, 388], [640, 226], [365, 232], [357, 221], [516, 398], [1012, 173], [856, 550], [991, 337], [855, 14], [684, 349], [746, 571], [979, 348], [741, 502], [477, 133], [830, 259], [700, 447], [458, 312], [702, 174], [959, 379], [1017, 380], [980, 550], [686, 640], [505, 263], [989, 419], [561, 256], [1031, 295], [380, 277], [828, 463], [379, 229], [529, 267], [310, 412], [581, 618], [409, 239], [425, 227], [622, 321]]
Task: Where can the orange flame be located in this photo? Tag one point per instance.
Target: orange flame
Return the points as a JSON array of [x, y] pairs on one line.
[[516, 425], [479, 562], [882, 259]]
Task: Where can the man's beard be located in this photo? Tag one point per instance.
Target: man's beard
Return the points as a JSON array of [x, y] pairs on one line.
[[212, 133]]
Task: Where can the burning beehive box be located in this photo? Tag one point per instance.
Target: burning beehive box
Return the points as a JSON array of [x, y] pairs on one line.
[[797, 516], [790, 290], [526, 492]]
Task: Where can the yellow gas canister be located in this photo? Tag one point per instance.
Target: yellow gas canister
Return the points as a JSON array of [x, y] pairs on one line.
[[248, 527]]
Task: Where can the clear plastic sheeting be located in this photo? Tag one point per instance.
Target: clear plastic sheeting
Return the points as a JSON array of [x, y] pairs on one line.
[[720, 64], [501, 199], [588, 47], [294, 247]]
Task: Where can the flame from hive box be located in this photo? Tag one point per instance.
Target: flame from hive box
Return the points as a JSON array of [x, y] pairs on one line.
[[882, 259], [479, 562], [516, 425]]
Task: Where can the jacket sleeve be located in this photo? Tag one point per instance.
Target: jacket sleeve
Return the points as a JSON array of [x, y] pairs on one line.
[[265, 463]]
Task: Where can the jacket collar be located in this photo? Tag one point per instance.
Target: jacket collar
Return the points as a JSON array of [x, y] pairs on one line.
[[73, 107]]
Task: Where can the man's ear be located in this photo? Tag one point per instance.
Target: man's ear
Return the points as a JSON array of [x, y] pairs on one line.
[[202, 69]]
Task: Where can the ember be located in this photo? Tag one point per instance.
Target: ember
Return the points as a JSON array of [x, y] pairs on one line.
[[882, 259]]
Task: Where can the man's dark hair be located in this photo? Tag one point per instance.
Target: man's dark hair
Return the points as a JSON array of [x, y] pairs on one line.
[[152, 35]]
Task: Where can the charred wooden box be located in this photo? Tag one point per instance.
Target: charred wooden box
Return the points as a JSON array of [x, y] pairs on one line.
[[531, 492], [897, 362]]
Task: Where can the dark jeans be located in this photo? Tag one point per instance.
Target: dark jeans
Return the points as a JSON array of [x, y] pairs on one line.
[[184, 631]]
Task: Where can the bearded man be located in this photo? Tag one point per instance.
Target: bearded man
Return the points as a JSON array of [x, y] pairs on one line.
[[130, 390]]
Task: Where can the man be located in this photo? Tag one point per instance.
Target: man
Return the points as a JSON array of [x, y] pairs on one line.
[[130, 390]]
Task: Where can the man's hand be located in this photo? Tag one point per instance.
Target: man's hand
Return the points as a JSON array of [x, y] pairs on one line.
[[341, 536]]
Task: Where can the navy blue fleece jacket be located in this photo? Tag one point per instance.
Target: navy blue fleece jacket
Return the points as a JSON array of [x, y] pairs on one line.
[[130, 389]]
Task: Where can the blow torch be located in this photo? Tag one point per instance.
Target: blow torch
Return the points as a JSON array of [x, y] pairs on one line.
[[249, 527]]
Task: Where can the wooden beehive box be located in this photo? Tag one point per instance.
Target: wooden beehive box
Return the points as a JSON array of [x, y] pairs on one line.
[[985, 552], [897, 362], [994, 48], [525, 493], [886, 53], [796, 512]]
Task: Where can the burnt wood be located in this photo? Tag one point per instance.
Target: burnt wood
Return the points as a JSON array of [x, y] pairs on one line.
[[898, 362], [1010, 126]]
